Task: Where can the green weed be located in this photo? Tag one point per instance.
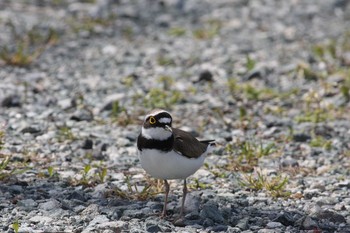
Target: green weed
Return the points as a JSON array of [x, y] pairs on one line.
[[165, 61], [250, 63], [152, 188], [50, 171], [209, 31], [89, 24], [159, 98], [128, 33], [244, 156], [252, 152], [91, 175], [28, 47], [319, 141], [275, 186], [8, 169], [177, 31], [65, 134], [16, 226], [120, 114], [198, 185], [313, 110]]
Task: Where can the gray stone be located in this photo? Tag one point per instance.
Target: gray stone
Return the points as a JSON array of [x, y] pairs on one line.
[[92, 210], [77, 195], [115, 226], [289, 163], [192, 203], [269, 231], [87, 144], [99, 219], [41, 219], [307, 223], [285, 218], [210, 210], [233, 230], [331, 216], [27, 203], [243, 224], [301, 137], [11, 101], [273, 225], [52, 204], [31, 129], [153, 226], [83, 114]]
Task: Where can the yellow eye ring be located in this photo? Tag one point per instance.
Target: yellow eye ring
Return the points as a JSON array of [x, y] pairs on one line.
[[152, 120]]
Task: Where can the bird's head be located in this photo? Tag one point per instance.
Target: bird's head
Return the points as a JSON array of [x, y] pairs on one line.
[[157, 125]]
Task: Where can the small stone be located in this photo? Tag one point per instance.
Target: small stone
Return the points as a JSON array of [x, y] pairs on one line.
[[91, 210], [27, 203], [82, 115], [192, 203], [210, 210], [87, 144], [269, 231], [344, 184], [243, 224], [331, 216], [233, 230], [221, 228], [208, 222], [50, 205], [289, 163], [285, 218], [99, 219], [205, 76], [16, 189], [301, 137], [306, 223], [31, 130], [65, 104], [152, 226], [109, 50], [257, 73], [133, 213], [115, 226], [78, 209], [310, 193], [41, 219], [77, 195], [273, 225], [11, 101]]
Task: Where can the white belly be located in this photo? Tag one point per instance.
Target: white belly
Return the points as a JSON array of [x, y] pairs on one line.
[[169, 165]]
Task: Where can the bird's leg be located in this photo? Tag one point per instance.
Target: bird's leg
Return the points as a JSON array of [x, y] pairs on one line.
[[167, 188], [183, 199]]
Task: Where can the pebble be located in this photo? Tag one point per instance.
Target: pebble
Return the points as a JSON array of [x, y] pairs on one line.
[[50, 205], [210, 211], [11, 101], [273, 225]]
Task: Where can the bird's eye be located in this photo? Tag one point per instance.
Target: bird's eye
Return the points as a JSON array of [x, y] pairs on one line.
[[152, 120]]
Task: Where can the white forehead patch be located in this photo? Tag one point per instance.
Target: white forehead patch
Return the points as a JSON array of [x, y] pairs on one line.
[[155, 113], [164, 120], [157, 133]]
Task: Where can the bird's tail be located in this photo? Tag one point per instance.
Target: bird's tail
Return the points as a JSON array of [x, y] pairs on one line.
[[211, 144]]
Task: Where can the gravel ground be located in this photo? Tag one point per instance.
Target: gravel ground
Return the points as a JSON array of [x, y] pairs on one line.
[[269, 80]]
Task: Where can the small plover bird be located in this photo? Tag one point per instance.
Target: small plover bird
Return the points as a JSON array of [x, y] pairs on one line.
[[169, 153]]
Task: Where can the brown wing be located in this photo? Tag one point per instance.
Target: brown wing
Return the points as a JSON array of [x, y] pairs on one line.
[[187, 145]]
